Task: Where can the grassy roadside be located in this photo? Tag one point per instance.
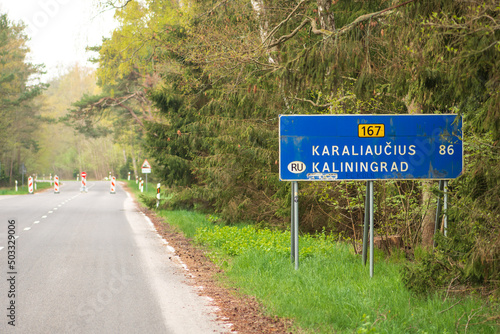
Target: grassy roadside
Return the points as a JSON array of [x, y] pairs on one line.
[[332, 291], [23, 190]]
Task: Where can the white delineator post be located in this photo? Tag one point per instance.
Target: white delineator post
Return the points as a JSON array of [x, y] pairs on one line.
[[141, 185], [128, 178], [113, 185], [56, 184], [16, 185], [30, 185], [158, 186]]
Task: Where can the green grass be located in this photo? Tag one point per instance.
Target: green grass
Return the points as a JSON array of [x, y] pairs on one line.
[[332, 291], [23, 190], [151, 191]]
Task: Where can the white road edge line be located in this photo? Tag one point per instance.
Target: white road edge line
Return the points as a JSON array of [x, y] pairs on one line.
[[27, 228], [36, 222]]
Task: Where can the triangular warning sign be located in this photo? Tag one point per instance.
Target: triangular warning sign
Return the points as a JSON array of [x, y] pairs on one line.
[[146, 164]]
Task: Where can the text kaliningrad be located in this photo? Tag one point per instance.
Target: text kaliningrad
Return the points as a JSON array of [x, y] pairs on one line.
[[368, 150]]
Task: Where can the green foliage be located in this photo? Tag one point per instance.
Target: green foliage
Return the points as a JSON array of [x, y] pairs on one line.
[[470, 254], [19, 88], [431, 272], [232, 241], [366, 326], [209, 81], [235, 241]]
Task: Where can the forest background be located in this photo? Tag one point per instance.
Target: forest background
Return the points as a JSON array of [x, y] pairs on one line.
[[197, 87]]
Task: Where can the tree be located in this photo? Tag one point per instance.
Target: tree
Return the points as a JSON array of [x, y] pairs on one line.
[[225, 71], [18, 110], [64, 151]]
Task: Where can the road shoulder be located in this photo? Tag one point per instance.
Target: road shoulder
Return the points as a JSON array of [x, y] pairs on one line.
[[242, 313]]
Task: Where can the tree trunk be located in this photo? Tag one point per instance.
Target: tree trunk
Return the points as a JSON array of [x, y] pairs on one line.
[[428, 203], [11, 170], [134, 161], [326, 17], [260, 11], [429, 217]]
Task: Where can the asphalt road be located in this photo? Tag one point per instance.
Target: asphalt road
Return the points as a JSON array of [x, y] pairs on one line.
[[91, 263]]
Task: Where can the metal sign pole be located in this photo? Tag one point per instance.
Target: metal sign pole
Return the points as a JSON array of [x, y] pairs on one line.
[[366, 222], [295, 186], [445, 222], [292, 227], [438, 209], [370, 183]]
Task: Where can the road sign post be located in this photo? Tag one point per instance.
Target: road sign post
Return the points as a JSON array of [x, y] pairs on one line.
[[295, 224], [368, 147], [146, 169]]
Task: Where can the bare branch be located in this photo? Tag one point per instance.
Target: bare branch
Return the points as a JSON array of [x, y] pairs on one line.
[[117, 102], [289, 36], [112, 4], [449, 308], [213, 9], [109, 5], [284, 21], [336, 33], [366, 17]]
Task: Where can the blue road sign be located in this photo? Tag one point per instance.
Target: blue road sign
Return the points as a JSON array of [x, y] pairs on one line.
[[370, 147]]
